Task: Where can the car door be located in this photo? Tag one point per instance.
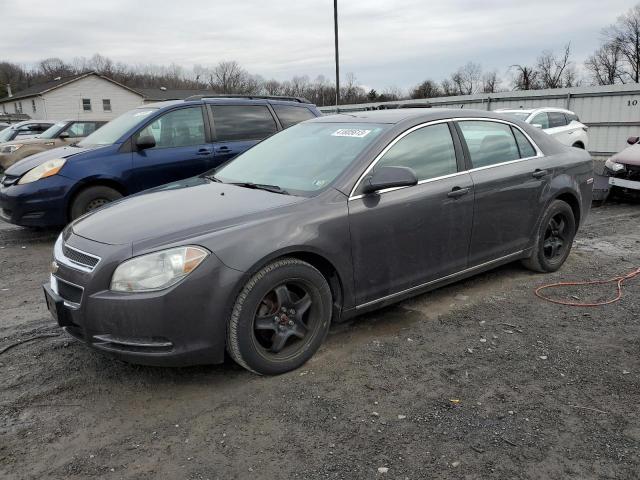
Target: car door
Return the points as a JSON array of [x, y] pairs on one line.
[[509, 175], [558, 128], [402, 238], [182, 148], [239, 127]]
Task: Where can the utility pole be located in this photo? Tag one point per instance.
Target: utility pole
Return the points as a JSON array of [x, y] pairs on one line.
[[335, 30]]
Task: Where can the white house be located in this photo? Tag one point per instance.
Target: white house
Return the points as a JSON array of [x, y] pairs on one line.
[[88, 95]]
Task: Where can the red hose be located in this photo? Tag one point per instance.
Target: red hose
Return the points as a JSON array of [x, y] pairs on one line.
[[617, 280]]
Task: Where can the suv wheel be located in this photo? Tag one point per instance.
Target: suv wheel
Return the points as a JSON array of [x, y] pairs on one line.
[[92, 198], [554, 240], [280, 318]]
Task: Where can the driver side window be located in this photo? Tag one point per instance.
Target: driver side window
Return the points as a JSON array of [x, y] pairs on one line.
[[178, 128], [428, 151]]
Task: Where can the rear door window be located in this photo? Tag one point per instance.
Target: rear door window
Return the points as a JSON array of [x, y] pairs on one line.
[[557, 119], [242, 122], [489, 143], [290, 115], [526, 149], [81, 129]]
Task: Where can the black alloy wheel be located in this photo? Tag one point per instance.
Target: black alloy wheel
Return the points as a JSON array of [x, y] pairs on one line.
[[280, 318]]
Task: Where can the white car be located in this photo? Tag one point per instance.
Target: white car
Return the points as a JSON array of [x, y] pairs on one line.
[[563, 125]]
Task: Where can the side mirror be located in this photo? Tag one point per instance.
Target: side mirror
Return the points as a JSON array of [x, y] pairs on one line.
[[144, 142], [64, 135], [538, 125], [632, 140], [389, 177]]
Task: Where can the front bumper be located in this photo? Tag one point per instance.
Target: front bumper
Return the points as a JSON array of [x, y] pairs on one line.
[[180, 326], [39, 204], [624, 183]]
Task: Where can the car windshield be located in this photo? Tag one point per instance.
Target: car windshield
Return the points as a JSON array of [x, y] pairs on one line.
[[302, 159], [517, 115], [7, 134], [53, 131], [113, 130]]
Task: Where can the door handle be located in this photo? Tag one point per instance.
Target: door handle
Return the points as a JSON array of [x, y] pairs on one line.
[[457, 192], [205, 151], [223, 149], [539, 173]]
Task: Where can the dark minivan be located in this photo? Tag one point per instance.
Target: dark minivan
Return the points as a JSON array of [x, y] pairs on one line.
[[143, 148]]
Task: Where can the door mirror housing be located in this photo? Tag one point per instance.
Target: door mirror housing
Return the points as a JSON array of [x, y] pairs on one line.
[[145, 141], [64, 135], [389, 177], [632, 140]]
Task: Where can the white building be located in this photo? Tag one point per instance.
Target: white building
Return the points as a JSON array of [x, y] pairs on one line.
[[87, 95]]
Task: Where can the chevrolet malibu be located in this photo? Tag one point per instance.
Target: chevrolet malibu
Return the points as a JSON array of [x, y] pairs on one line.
[[326, 220]]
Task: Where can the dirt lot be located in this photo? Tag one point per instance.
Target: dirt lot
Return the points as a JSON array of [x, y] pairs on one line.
[[477, 380]]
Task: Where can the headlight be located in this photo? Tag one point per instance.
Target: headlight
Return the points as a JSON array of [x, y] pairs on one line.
[[157, 270], [613, 166], [48, 168], [11, 148]]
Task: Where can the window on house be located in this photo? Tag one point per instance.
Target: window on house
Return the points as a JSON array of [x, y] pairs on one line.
[[33, 105], [106, 104], [86, 104]]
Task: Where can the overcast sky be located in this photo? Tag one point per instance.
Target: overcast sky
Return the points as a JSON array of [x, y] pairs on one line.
[[384, 42]]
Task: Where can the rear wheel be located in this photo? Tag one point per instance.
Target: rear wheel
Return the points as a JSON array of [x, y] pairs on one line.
[[91, 198], [555, 238], [280, 318]]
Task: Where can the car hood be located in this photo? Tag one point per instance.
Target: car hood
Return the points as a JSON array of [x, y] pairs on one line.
[[628, 156], [177, 211], [26, 164]]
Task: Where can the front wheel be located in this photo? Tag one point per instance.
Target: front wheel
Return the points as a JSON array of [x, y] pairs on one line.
[[555, 238], [280, 317], [91, 198]]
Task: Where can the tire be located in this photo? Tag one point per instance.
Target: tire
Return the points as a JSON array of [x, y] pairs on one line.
[[554, 239], [264, 314], [91, 198]]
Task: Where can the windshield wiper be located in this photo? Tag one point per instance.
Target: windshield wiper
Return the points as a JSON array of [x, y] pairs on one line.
[[213, 178], [261, 186]]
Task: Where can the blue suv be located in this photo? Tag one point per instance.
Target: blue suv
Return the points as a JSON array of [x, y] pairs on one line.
[[143, 148]]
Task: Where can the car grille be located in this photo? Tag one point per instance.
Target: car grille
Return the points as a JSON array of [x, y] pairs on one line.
[[80, 258], [69, 292], [631, 172]]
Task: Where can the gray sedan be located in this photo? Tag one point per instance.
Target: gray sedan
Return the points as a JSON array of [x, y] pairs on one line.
[[324, 221]]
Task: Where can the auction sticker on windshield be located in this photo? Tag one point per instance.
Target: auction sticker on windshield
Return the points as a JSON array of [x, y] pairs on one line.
[[351, 132]]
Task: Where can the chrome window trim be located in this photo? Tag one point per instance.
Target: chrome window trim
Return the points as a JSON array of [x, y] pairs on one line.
[[539, 153], [60, 257], [437, 280]]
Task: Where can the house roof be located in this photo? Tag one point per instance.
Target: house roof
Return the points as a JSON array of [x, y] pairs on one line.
[[160, 95], [44, 87]]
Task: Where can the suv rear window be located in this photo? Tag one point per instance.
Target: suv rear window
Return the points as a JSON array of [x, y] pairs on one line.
[[290, 115], [242, 122]]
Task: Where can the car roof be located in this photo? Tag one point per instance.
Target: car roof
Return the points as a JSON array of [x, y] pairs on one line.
[[229, 100], [534, 110], [402, 115], [27, 122]]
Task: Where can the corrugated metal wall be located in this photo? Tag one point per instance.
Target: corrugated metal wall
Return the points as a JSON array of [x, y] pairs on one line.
[[612, 112]]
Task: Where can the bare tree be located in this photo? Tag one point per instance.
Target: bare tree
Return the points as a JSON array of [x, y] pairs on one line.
[[526, 78], [54, 67], [427, 89], [491, 82], [467, 79], [625, 34], [551, 67], [605, 65], [448, 88]]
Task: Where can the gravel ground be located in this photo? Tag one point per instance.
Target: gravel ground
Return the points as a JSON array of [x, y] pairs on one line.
[[477, 380]]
